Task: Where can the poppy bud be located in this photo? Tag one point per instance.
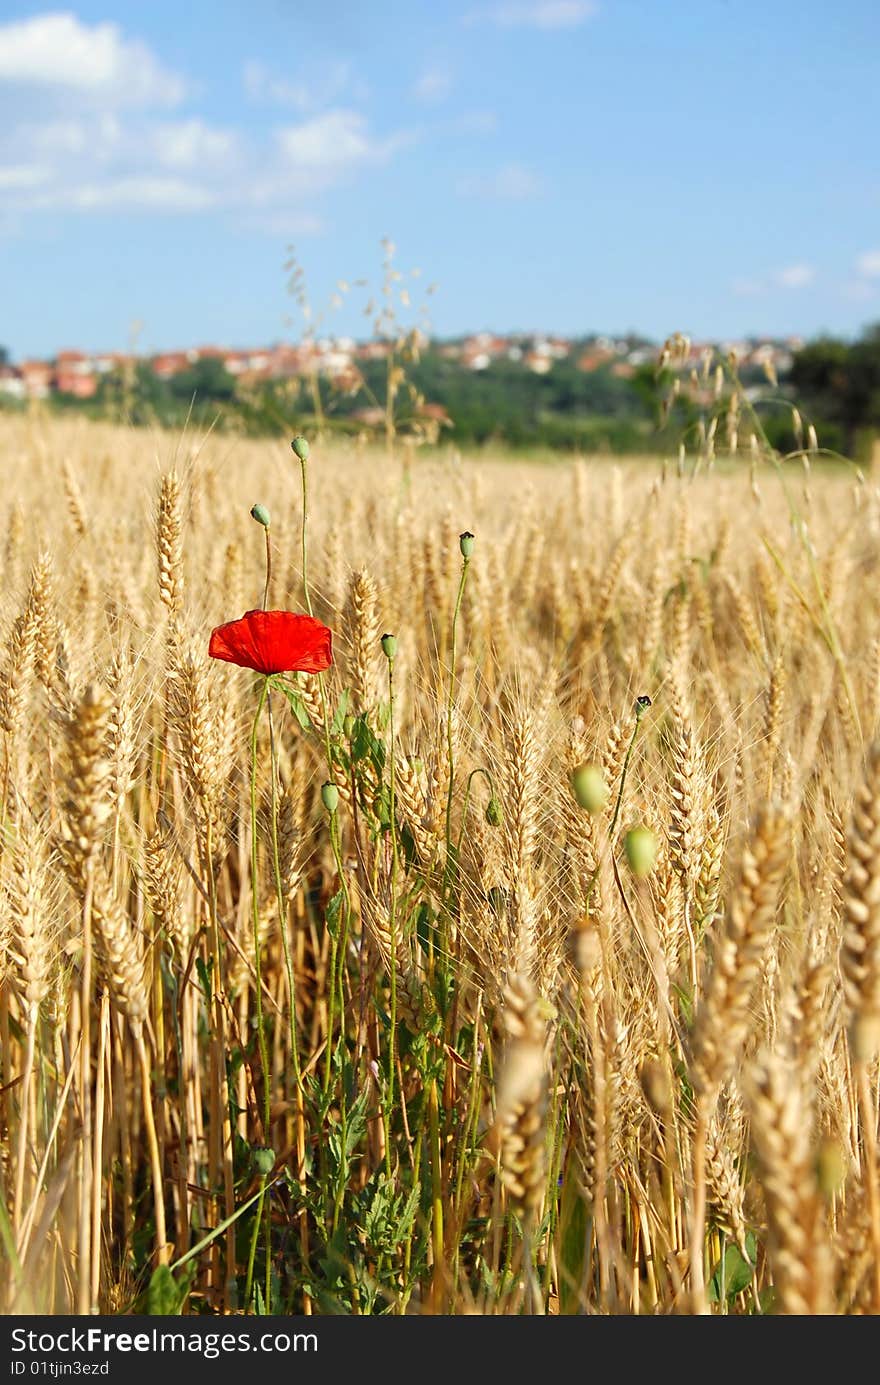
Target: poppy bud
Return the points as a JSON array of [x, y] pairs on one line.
[[261, 515], [494, 813], [466, 543], [589, 787], [640, 846], [263, 1159], [301, 448], [389, 646], [348, 725], [330, 797]]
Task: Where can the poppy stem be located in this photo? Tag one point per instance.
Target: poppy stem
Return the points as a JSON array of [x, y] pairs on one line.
[[467, 800], [261, 1026], [282, 901], [392, 919], [305, 524], [268, 570], [450, 712]]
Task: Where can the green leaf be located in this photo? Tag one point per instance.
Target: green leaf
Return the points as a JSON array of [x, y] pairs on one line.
[[333, 912], [297, 706], [426, 929], [340, 713], [361, 739], [733, 1272], [163, 1294], [382, 806], [356, 1123], [574, 1231], [204, 970]]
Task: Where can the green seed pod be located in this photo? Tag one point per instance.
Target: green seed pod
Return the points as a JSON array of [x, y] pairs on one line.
[[382, 806], [640, 846], [466, 543], [494, 812], [348, 725], [389, 646], [330, 797], [589, 787], [261, 515], [301, 447], [263, 1159]]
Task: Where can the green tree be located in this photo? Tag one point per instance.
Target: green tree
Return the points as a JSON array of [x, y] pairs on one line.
[[207, 379], [838, 385]]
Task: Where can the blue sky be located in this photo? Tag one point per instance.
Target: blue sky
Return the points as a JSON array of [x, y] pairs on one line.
[[703, 165]]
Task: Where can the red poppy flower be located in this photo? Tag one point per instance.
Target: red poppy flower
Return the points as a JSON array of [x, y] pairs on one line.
[[273, 642]]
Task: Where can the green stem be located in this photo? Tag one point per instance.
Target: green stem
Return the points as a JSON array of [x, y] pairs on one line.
[[467, 799], [467, 1137], [255, 1236], [340, 980], [436, 1196], [282, 904], [305, 521], [255, 907], [331, 1016], [392, 923], [261, 1027], [450, 754], [268, 570]]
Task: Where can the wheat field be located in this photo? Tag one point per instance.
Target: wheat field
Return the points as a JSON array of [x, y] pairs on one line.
[[437, 1038]]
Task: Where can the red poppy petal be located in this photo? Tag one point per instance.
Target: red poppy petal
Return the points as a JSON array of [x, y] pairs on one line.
[[234, 643], [274, 642]]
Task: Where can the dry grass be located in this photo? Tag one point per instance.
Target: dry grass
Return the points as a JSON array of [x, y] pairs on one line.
[[550, 1086]]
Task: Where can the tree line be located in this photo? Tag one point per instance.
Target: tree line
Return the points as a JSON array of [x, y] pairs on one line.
[[835, 385]]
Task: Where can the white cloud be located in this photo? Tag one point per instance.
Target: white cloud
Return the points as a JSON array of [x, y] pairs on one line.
[[57, 50], [193, 144], [335, 141], [539, 14], [18, 176], [103, 159], [148, 193], [513, 183], [433, 86], [261, 85], [97, 138], [868, 265], [56, 137], [323, 86], [796, 276]]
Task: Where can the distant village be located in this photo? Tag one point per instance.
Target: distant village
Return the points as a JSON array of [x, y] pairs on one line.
[[78, 374]]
